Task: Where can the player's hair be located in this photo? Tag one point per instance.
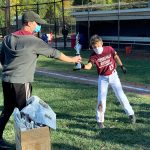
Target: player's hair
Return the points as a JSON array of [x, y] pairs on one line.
[[94, 39]]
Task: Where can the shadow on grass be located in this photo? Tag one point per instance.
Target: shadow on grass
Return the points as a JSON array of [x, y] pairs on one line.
[[115, 135], [143, 113], [75, 117], [61, 146], [133, 135], [125, 136]]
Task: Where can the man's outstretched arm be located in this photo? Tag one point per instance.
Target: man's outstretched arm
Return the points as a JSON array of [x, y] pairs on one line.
[[76, 59]]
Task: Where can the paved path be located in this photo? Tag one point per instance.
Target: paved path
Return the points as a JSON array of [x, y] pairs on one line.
[[93, 81], [131, 87]]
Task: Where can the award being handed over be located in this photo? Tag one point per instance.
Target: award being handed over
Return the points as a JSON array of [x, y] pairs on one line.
[[78, 49]]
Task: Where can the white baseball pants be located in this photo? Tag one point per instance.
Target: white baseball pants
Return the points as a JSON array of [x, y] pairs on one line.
[[114, 81]]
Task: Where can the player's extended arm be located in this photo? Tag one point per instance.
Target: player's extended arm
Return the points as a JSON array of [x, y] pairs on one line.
[[87, 66], [76, 59], [118, 60]]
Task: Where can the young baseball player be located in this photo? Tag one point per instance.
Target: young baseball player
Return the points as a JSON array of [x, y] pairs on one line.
[[105, 58]]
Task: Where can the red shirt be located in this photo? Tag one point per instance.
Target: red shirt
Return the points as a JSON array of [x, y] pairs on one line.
[[22, 32], [104, 62]]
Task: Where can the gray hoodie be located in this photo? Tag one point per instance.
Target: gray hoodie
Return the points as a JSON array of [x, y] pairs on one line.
[[19, 55]]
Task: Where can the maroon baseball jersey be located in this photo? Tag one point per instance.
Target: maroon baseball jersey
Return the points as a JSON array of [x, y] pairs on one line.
[[104, 62]]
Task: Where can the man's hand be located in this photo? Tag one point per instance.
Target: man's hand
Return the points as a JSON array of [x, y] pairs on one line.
[[123, 69], [77, 59]]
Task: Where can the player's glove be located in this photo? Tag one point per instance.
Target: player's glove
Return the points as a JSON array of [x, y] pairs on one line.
[[82, 66], [123, 69]]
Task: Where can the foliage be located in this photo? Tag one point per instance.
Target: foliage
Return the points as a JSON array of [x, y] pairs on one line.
[[67, 4], [103, 1], [2, 18], [2, 2], [45, 10]]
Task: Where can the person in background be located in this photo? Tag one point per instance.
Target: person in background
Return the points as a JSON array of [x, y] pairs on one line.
[[82, 40], [65, 31], [18, 56], [105, 59], [51, 37], [44, 37]]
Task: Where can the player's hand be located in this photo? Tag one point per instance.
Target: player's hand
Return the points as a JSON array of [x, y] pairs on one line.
[[124, 70]]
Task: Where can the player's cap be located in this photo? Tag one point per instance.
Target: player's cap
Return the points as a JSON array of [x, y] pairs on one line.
[[30, 16]]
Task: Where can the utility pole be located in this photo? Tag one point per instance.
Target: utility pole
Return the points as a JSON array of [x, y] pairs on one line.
[[63, 19], [55, 24], [88, 25], [7, 16], [118, 25]]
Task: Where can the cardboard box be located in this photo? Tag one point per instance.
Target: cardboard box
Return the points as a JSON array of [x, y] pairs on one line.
[[34, 139]]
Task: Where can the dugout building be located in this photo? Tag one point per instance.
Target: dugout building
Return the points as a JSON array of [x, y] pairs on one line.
[[121, 26]]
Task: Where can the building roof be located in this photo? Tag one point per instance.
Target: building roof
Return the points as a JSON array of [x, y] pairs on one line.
[[124, 12]]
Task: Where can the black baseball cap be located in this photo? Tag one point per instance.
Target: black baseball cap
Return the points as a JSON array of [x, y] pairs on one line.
[[30, 16]]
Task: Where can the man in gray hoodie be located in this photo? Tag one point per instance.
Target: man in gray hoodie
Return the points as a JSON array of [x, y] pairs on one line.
[[18, 56]]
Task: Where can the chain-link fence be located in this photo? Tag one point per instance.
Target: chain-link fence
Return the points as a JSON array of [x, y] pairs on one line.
[[52, 12]]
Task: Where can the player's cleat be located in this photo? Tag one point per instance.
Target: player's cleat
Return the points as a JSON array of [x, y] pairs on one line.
[[4, 145], [100, 125], [132, 119]]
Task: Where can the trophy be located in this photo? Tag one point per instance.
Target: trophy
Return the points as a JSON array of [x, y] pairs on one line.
[[77, 48]]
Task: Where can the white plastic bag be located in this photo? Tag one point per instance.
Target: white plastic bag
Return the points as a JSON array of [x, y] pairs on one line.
[[40, 112]]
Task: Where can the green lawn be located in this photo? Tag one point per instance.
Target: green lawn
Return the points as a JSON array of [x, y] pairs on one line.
[[75, 105], [138, 69]]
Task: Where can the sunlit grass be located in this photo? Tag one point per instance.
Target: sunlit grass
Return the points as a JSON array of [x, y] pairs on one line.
[[75, 105], [137, 68]]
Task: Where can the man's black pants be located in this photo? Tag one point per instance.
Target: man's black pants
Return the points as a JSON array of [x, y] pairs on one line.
[[15, 95]]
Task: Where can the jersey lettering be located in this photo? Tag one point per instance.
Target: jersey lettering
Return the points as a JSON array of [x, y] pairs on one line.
[[104, 62], [111, 67]]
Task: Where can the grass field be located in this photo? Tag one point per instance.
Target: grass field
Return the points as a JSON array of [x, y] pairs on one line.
[[75, 105], [137, 67]]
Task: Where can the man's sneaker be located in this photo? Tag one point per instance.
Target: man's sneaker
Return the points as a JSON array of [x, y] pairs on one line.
[[132, 119], [4, 144], [100, 125]]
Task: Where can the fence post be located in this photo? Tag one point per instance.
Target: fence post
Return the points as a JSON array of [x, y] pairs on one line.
[[17, 18], [37, 8], [63, 19], [7, 16], [55, 23]]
